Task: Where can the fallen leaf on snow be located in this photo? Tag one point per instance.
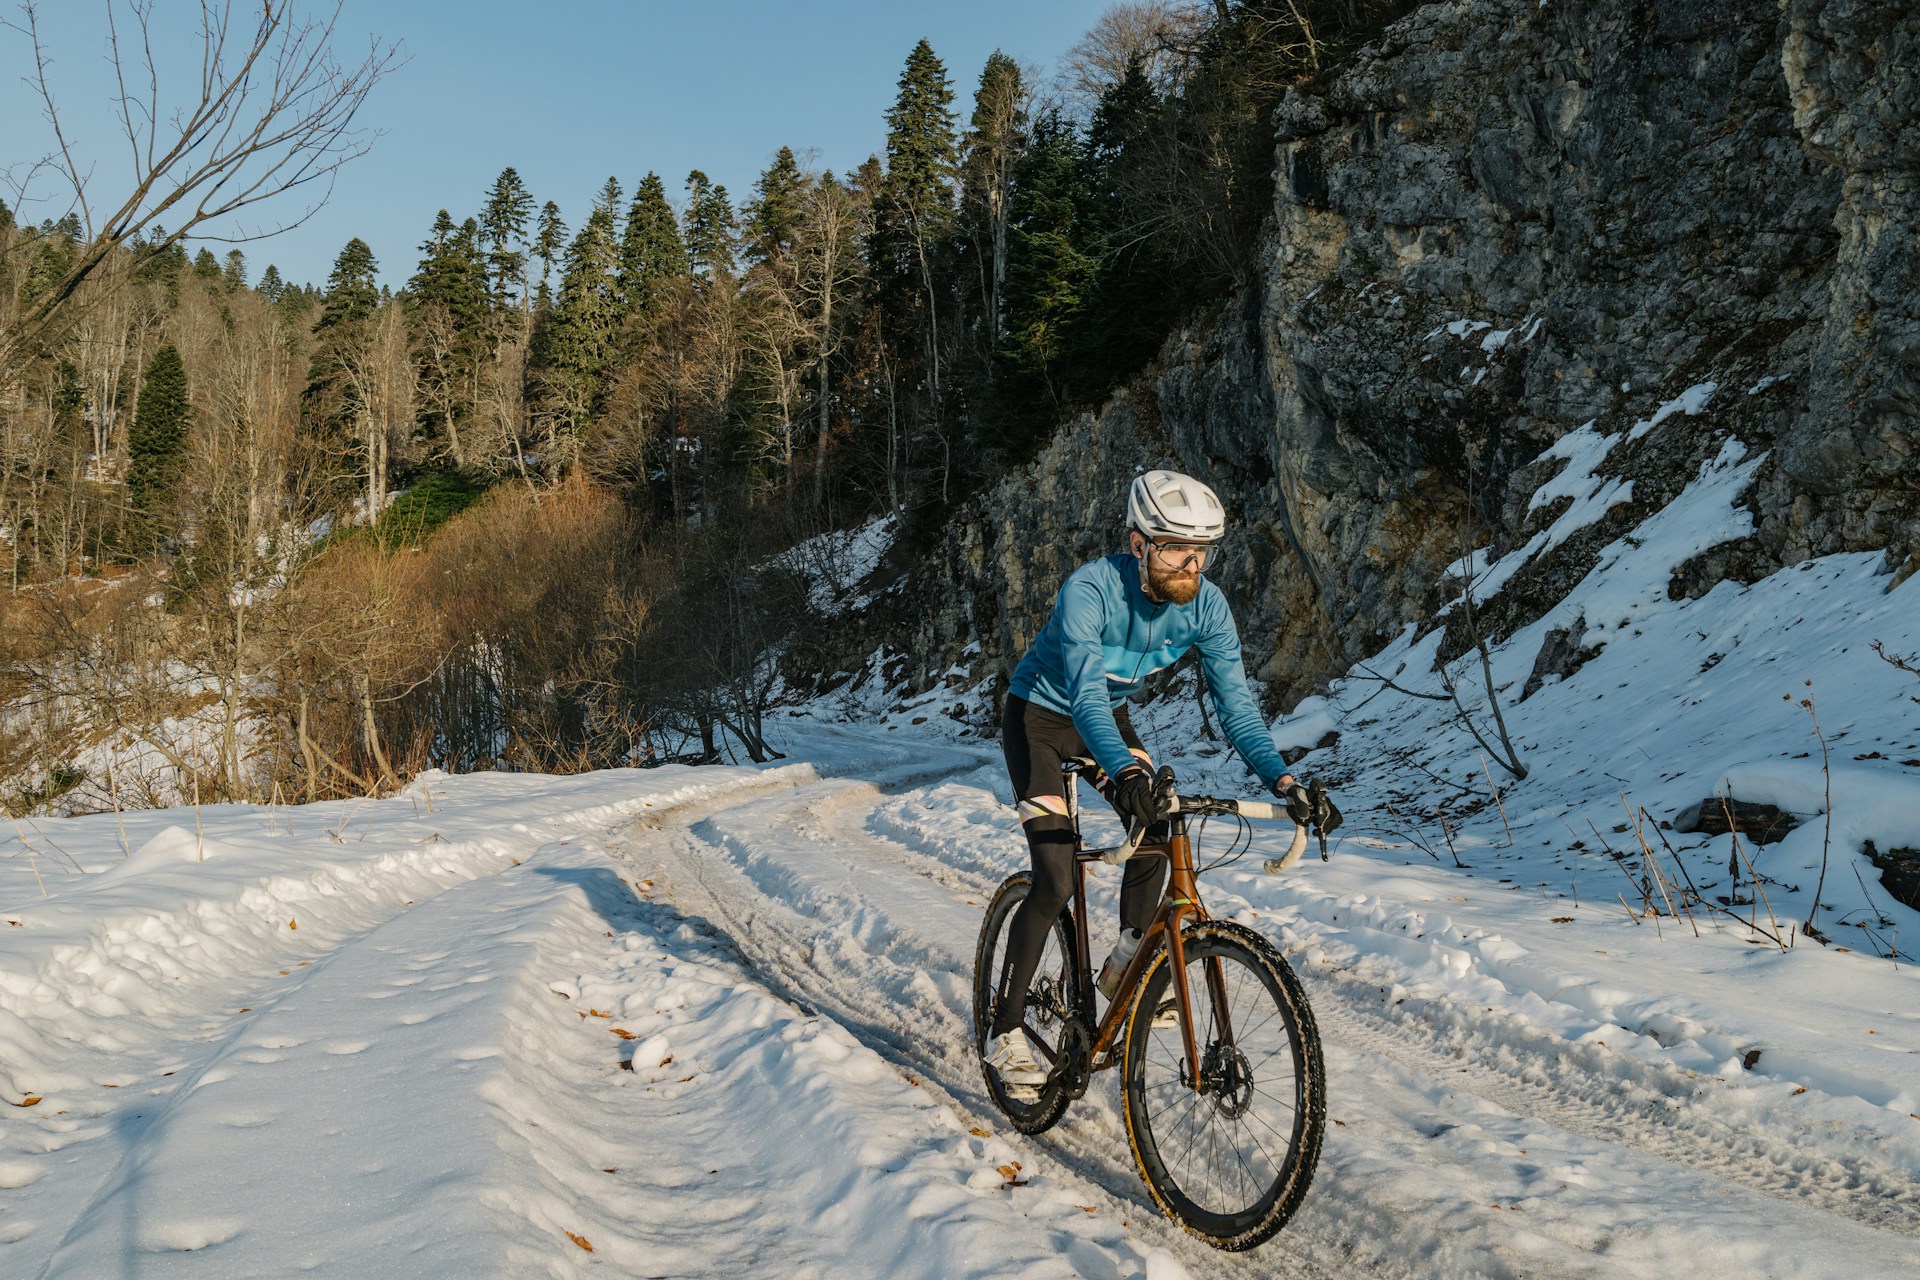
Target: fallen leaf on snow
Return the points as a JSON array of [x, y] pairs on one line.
[[622, 1032], [579, 1240], [1797, 1092], [1011, 1172], [293, 924], [978, 1132], [28, 1101], [1562, 920]]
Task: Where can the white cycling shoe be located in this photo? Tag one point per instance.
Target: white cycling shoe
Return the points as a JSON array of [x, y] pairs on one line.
[[1013, 1063]]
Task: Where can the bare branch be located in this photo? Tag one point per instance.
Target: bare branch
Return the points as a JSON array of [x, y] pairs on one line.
[[271, 113]]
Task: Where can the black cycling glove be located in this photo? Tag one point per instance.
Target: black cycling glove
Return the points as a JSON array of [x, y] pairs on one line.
[[1299, 804], [1134, 797]]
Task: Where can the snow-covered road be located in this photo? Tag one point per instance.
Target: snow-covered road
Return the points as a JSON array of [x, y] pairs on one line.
[[714, 1022], [1466, 1140]]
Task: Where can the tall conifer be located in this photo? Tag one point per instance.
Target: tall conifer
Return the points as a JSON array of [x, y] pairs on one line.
[[651, 252], [157, 442], [574, 344], [914, 216], [503, 228], [773, 215], [711, 227], [994, 144], [548, 241]]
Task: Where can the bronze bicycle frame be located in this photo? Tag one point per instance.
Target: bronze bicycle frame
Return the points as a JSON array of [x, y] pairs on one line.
[[1179, 901]]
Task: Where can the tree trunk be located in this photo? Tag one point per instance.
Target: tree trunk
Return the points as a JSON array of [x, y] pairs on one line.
[[371, 732]]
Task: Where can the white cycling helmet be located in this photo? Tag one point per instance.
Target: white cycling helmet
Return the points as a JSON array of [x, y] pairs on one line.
[[1167, 506]]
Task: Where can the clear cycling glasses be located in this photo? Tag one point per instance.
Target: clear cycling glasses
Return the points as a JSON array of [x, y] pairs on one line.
[[1183, 555]]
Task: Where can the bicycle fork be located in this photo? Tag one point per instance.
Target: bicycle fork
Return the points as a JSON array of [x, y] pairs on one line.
[[1180, 902]]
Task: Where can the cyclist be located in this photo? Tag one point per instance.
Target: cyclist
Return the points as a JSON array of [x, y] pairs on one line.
[[1115, 622]]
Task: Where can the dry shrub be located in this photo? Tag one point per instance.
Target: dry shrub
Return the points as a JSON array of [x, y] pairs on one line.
[[529, 594], [351, 640]]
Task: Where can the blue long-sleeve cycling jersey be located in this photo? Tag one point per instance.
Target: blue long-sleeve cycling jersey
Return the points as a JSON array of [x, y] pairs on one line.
[[1105, 638]]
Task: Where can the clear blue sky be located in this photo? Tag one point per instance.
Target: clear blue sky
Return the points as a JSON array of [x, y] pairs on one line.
[[571, 92]]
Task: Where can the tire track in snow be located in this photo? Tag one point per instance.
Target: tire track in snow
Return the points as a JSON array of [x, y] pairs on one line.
[[1665, 1112], [808, 917], [811, 890], [1654, 1110], [67, 1167]]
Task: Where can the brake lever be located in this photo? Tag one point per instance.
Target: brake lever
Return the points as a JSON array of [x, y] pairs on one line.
[[1169, 804], [1324, 816]]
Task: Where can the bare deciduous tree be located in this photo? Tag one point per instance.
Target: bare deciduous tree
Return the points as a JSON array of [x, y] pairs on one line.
[[1159, 33], [266, 112]]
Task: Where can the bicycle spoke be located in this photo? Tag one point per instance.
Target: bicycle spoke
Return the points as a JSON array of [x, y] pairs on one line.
[[1276, 1099]]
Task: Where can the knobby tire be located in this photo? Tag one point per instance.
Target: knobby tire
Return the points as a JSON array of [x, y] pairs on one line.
[[1230, 1166], [1049, 1004]]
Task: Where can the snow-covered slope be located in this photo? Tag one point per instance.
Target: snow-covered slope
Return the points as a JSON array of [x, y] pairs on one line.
[[707, 1022]]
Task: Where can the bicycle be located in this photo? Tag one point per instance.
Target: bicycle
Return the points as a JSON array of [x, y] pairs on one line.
[[1225, 1088]]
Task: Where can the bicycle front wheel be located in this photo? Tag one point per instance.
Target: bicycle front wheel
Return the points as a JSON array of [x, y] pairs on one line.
[[1229, 1156]]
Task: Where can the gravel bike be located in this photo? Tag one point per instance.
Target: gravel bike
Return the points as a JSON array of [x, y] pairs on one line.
[[1224, 1084]]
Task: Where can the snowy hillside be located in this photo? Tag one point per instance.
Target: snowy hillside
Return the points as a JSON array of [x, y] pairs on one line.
[[713, 1022]]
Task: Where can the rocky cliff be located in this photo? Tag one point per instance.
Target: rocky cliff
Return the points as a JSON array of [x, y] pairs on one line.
[[1673, 224]]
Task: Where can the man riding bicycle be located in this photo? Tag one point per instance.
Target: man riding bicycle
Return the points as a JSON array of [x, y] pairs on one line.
[[1116, 621]]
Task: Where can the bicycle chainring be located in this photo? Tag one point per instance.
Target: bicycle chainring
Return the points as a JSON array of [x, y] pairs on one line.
[[1076, 1057]]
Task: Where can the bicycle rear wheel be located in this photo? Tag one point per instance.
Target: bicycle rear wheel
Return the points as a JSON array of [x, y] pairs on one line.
[[1050, 998], [1230, 1163]]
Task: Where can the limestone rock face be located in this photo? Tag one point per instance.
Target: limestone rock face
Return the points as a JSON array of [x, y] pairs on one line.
[[1505, 221]]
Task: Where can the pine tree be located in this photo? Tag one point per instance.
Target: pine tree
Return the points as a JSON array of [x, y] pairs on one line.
[[921, 151], [914, 216], [205, 265], [353, 291], [503, 225], [773, 215], [331, 403], [157, 442], [711, 229], [234, 274], [449, 326], [1051, 269], [574, 344], [548, 241], [652, 252], [1140, 284], [994, 145], [453, 273], [161, 258], [271, 286]]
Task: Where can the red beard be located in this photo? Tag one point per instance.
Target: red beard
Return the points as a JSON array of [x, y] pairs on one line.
[[1177, 586]]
